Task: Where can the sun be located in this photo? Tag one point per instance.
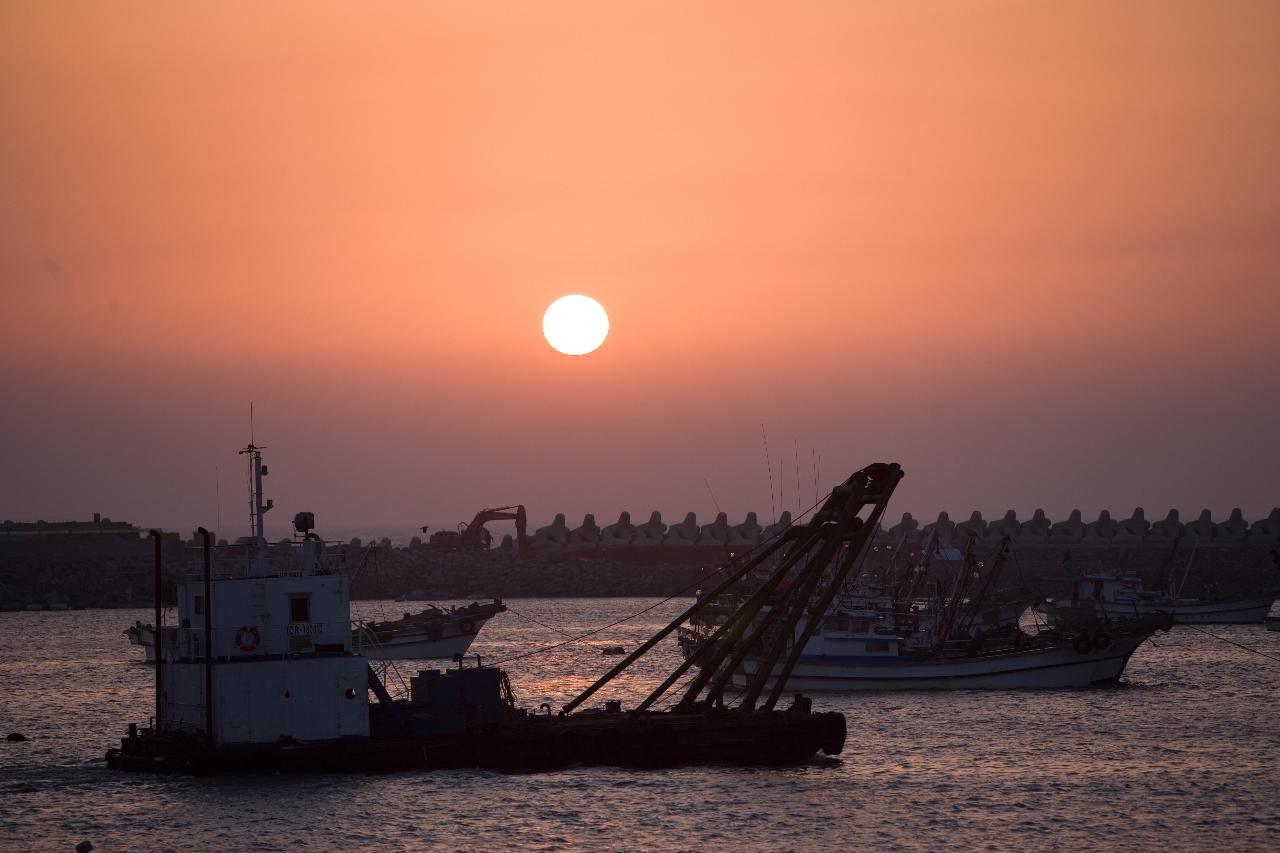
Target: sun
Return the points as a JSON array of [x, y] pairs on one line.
[[575, 325]]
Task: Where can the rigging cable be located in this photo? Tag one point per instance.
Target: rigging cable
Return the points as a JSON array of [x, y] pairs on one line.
[[559, 631], [768, 464], [654, 606], [1234, 643]]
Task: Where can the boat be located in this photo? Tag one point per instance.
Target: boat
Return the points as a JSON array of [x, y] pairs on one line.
[[1115, 595], [263, 676], [876, 638], [1272, 620], [435, 632], [144, 636], [849, 653]]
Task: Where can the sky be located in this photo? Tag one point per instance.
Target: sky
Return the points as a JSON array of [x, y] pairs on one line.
[[1030, 251]]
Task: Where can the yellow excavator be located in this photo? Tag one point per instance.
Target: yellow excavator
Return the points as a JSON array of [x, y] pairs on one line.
[[475, 536]]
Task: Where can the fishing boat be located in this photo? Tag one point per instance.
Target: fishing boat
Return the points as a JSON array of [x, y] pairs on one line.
[[144, 636], [435, 632], [1114, 596], [873, 638], [848, 653]]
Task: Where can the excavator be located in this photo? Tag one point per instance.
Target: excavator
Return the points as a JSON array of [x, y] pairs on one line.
[[474, 535]]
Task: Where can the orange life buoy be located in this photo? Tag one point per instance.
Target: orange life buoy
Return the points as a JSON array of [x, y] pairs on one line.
[[248, 638]]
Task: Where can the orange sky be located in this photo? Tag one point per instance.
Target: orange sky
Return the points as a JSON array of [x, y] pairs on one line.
[[1030, 251]]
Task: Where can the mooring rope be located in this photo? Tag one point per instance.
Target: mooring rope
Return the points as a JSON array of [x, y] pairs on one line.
[[595, 631], [1232, 642], [536, 622]]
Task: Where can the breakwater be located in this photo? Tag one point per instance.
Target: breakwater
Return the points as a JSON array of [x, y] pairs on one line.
[[1200, 558]]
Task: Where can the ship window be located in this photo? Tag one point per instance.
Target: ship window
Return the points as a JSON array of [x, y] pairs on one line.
[[197, 605], [877, 645], [861, 627], [299, 608]]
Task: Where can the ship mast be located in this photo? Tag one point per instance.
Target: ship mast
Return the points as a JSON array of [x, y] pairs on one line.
[[257, 508]]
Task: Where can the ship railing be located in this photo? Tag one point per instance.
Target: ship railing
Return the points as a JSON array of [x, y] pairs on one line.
[[385, 668], [233, 560], [298, 640]]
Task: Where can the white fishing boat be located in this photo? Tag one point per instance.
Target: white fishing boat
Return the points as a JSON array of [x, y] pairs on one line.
[[870, 649], [876, 637], [435, 632], [432, 633], [144, 636], [1113, 596]]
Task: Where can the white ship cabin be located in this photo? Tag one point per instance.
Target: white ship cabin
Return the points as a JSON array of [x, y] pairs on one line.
[[281, 666], [1113, 589], [859, 626]]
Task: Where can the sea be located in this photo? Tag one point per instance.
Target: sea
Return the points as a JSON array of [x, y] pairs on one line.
[[1181, 756]]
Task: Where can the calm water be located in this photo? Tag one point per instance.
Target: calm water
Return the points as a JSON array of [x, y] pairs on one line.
[[1182, 758]]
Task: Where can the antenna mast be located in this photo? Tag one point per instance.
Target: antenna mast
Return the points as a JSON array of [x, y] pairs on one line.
[[257, 506], [768, 464]]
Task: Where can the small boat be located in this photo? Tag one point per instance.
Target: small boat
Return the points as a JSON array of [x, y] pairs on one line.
[[1272, 620], [1111, 595], [144, 635], [431, 633]]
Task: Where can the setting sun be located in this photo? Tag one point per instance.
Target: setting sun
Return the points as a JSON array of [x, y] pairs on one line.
[[575, 325]]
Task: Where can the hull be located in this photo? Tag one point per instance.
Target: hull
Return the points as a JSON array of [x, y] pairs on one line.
[[1272, 623], [435, 633], [1059, 666], [765, 738], [1248, 611], [411, 645]]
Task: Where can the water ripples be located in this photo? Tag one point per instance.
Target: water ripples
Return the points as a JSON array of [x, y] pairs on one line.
[[1182, 757]]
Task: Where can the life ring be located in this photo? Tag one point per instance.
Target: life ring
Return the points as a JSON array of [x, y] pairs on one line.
[[466, 626], [1083, 644], [1102, 641], [248, 638]]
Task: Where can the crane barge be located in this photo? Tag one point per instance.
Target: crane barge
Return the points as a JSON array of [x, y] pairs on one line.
[[263, 677]]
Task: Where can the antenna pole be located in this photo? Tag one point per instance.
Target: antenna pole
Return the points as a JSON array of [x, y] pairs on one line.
[[799, 508], [813, 454], [257, 507], [768, 464], [208, 638], [713, 494], [159, 623]]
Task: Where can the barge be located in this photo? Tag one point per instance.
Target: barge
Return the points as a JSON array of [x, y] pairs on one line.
[[262, 676]]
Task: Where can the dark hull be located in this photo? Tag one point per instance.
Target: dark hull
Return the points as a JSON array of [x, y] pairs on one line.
[[653, 741]]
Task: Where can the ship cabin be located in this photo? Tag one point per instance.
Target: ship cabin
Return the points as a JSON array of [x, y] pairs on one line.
[[1112, 589], [265, 657], [859, 626]]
